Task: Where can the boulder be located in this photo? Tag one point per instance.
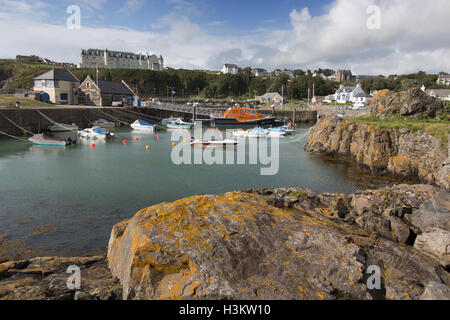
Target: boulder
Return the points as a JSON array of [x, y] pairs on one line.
[[435, 291], [437, 243]]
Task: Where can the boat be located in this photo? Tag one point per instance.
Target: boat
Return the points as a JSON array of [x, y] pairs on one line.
[[60, 127], [275, 132], [95, 133], [141, 125], [179, 124], [241, 116], [168, 120], [102, 123], [257, 133], [44, 139], [218, 143], [240, 133]]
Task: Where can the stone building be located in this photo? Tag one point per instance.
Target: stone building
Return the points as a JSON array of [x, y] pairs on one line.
[[96, 58], [344, 76], [61, 86], [271, 97], [105, 93], [229, 68]]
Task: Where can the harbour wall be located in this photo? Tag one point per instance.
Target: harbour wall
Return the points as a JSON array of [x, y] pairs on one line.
[[34, 120]]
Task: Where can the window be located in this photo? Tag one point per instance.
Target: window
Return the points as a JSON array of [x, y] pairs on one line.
[[63, 97], [88, 85]]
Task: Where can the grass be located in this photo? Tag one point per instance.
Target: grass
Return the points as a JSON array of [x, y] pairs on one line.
[[10, 100], [437, 128]]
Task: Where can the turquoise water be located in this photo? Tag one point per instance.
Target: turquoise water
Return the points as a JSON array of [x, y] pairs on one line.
[[64, 201]]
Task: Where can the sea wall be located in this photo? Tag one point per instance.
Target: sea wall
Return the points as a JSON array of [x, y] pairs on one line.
[[32, 121], [399, 152]]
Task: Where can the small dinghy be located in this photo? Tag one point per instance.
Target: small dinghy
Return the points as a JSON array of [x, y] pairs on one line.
[[61, 127], [141, 125], [219, 143], [276, 132], [257, 133], [179, 124], [166, 121], [44, 139], [95, 133], [102, 123]]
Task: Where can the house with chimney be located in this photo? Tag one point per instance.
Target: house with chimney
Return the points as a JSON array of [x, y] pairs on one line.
[[105, 93]]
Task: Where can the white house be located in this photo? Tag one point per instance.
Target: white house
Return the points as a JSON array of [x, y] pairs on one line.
[[230, 69], [270, 97], [356, 94], [443, 94], [444, 79]]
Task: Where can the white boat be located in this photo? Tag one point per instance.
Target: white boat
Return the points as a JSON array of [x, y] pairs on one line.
[[60, 127], [141, 125], [275, 132], [257, 133], [212, 143], [95, 133], [179, 124], [102, 123], [169, 120], [240, 133]]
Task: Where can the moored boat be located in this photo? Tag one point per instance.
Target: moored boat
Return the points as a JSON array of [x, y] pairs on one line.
[[179, 124], [48, 140], [61, 127], [241, 116], [169, 120], [275, 132], [257, 133], [103, 124], [141, 125], [218, 143], [95, 133]]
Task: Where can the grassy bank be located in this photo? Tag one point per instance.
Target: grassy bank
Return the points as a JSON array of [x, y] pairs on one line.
[[10, 100], [437, 128]]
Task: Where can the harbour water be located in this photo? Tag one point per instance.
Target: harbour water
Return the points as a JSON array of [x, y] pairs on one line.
[[64, 201]]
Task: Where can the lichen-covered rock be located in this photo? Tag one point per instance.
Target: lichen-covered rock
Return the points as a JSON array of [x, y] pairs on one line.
[[383, 150], [46, 278], [435, 242], [239, 246], [436, 291], [410, 103]]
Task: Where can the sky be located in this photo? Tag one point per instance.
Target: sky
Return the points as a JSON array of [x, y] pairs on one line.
[[367, 36]]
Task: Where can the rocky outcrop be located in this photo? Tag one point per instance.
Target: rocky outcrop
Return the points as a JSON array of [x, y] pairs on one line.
[[400, 152], [280, 244], [46, 279], [411, 103], [286, 243]]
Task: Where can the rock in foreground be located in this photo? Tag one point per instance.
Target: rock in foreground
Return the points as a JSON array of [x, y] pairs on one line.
[[285, 244], [46, 279]]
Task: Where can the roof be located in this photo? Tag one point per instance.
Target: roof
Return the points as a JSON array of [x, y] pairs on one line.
[[57, 74], [345, 88], [444, 76], [114, 87], [228, 65], [270, 95], [359, 92]]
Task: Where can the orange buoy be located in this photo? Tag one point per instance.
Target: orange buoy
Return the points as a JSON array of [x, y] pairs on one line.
[[173, 144], [147, 147]]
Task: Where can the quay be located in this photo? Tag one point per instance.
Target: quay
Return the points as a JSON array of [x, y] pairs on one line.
[[36, 119]]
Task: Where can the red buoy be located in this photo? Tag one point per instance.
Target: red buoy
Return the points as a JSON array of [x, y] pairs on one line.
[[125, 141], [93, 145], [137, 139], [158, 136]]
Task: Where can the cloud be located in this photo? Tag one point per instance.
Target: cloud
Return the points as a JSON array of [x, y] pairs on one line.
[[413, 36], [132, 6]]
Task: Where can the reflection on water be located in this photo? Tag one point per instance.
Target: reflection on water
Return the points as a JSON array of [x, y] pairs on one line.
[[64, 201]]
